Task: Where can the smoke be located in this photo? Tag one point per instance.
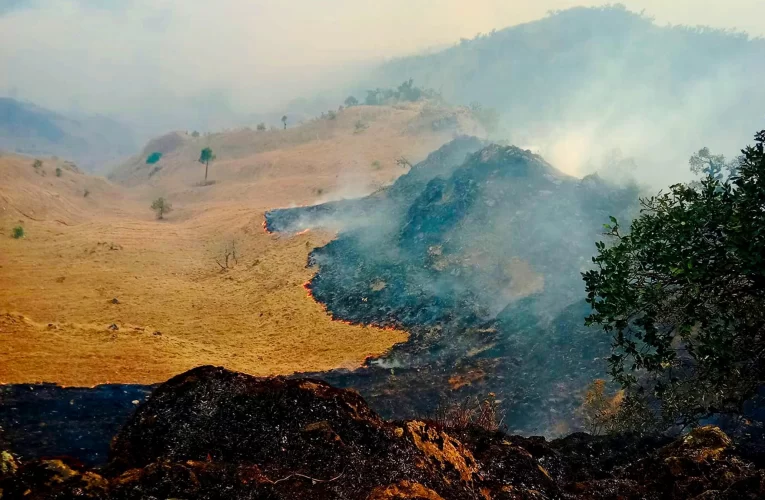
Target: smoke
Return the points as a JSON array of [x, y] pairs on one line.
[[162, 64]]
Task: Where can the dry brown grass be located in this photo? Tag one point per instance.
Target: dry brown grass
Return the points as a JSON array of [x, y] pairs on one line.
[[79, 253]]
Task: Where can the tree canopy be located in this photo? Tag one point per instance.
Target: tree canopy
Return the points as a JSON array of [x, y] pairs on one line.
[[153, 158], [683, 291]]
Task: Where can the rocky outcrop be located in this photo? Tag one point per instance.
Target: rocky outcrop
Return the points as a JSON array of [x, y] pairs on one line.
[[212, 433]]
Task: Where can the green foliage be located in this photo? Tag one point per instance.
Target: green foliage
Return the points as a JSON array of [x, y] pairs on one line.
[[18, 232], [376, 165], [153, 158], [37, 164], [683, 294], [195, 134], [161, 207], [351, 101], [331, 115], [58, 171], [261, 126], [284, 121]]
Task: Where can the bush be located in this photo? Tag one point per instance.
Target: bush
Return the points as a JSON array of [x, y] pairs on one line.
[[18, 232], [484, 413], [376, 165], [161, 207], [195, 134], [37, 164], [86, 193], [261, 126], [359, 127], [58, 171]]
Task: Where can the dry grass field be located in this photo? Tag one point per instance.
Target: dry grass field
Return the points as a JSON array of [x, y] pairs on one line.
[[100, 291]]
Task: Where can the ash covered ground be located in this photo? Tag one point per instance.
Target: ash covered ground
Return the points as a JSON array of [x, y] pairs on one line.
[[477, 252]]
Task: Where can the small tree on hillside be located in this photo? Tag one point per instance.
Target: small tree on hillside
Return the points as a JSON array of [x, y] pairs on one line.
[[351, 101], [161, 207], [284, 121], [37, 164], [205, 157], [261, 126], [153, 158]]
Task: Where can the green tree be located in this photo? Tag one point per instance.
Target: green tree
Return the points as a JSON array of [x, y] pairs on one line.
[[284, 121], [153, 158], [37, 164], [205, 157], [683, 293], [707, 164], [261, 126], [161, 207], [351, 101], [18, 232]]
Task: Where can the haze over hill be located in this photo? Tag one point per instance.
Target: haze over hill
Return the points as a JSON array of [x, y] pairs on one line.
[[179, 66], [582, 82], [93, 142]]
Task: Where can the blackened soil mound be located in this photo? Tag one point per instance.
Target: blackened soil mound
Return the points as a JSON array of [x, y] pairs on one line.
[[479, 258], [211, 433]]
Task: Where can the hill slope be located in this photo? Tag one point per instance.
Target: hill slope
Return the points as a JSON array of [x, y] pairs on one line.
[[92, 141], [479, 259]]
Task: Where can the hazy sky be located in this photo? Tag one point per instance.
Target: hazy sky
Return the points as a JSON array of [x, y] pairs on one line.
[[114, 55]]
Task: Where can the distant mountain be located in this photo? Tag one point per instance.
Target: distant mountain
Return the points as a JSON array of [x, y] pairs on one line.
[[93, 142], [580, 82]]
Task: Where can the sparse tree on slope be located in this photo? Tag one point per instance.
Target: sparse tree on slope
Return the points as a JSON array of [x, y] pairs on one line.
[[161, 207], [351, 101], [205, 157], [284, 121], [683, 294]]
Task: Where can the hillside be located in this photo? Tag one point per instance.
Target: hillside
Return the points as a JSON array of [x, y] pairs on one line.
[[580, 82], [351, 154], [476, 252], [93, 142], [175, 306]]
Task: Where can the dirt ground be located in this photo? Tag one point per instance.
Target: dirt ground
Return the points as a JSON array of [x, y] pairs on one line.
[[100, 291]]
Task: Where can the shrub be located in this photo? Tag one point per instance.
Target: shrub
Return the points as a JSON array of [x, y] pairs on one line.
[[376, 165], [161, 207], [261, 126], [331, 115], [58, 171], [359, 127], [86, 193], [37, 164], [18, 232], [599, 410], [195, 134], [484, 413]]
